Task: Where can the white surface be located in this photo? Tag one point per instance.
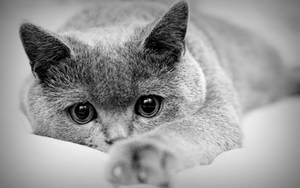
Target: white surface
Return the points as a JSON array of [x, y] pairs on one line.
[[269, 158]]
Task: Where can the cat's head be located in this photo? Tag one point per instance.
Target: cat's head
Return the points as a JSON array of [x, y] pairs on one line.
[[95, 95]]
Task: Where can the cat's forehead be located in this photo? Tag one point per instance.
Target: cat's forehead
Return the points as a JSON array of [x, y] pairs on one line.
[[113, 77], [112, 72]]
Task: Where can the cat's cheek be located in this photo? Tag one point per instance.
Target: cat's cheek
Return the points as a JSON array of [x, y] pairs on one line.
[[142, 125], [86, 130], [93, 136], [143, 121]]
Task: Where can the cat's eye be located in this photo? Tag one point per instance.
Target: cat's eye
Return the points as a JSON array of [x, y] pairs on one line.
[[148, 106], [82, 113]]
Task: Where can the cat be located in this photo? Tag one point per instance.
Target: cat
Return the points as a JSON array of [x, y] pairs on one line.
[[159, 89]]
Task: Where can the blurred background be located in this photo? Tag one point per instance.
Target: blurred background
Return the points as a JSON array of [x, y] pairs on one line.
[[271, 153]]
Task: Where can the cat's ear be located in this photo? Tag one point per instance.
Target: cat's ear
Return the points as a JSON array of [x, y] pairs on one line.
[[168, 33], [42, 47]]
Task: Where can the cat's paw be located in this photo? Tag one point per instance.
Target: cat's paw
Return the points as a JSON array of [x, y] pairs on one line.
[[141, 162]]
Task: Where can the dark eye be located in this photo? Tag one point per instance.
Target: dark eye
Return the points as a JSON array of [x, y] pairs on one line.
[[82, 113], [148, 106]]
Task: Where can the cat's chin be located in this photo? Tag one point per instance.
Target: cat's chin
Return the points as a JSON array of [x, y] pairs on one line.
[[103, 148]]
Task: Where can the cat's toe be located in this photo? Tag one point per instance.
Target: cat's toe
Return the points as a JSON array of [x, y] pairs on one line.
[[141, 163]]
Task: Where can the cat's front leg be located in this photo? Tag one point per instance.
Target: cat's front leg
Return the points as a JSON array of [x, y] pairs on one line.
[[152, 158], [142, 160]]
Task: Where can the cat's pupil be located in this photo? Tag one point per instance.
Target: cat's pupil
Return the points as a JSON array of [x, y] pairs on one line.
[[148, 105], [82, 111]]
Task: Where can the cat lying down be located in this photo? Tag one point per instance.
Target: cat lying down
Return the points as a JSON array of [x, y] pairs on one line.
[[264, 161], [159, 89]]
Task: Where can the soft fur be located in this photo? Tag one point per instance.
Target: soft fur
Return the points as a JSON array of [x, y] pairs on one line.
[[209, 73]]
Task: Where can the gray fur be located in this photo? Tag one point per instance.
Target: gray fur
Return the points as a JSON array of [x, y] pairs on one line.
[[112, 54]]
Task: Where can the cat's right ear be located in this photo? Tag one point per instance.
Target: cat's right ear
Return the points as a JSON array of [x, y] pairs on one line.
[[167, 35], [42, 47]]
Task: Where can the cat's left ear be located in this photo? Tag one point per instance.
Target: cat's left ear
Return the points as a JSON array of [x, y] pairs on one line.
[[42, 47], [168, 34]]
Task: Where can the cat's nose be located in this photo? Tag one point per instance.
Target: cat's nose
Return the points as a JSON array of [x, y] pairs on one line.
[[111, 141]]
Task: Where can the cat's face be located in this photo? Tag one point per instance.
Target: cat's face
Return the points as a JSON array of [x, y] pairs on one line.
[[96, 95]]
